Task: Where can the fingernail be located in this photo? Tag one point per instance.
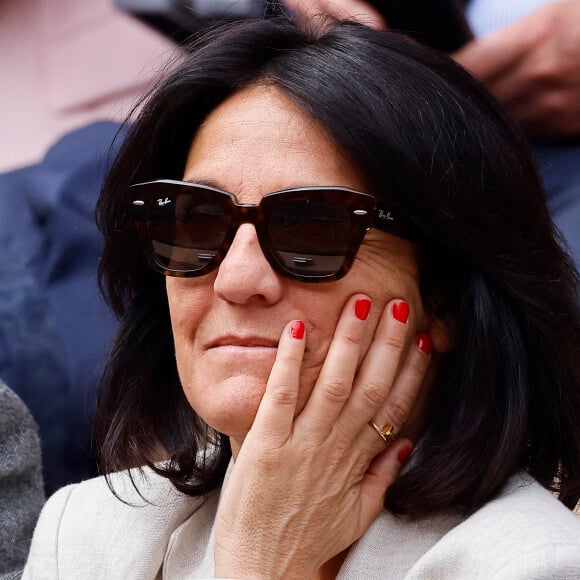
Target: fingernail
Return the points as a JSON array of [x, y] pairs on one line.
[[401, 311], [362, 308], [297, 329], [403, 456], [424, 343]]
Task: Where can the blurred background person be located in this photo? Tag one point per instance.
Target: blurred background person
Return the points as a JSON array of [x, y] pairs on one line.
[[21, 493], [72, 70]]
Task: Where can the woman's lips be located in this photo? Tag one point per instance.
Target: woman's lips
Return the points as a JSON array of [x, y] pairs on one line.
[[243, 342]]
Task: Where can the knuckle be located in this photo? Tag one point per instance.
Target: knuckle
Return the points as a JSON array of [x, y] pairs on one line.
[[289, 359], [351, 338], [375, 392], [400, 409], [394, 342], [415, 374], [337, 389], [547, 74], [284, 395], [268, 461]]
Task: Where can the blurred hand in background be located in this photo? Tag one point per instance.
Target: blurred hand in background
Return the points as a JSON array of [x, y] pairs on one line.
[[531, 66]]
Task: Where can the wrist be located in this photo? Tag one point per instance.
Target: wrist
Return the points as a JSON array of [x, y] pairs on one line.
[[258, 568]]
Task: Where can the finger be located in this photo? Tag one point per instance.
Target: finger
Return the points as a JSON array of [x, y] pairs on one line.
[[340, 9], [381, 474], [527, 98], [309, 10], [378, 370], [334, 384], [496, 55], [356, 11], [276, 411], [406, 387], [514, 88]]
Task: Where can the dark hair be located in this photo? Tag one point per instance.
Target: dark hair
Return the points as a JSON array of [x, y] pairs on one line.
[[432, 141]]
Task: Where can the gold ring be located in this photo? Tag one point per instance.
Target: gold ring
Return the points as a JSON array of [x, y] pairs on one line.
[[387, 432]]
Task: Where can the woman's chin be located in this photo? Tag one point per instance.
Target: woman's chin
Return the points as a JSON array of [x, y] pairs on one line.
[[229, 405], [227, 398]]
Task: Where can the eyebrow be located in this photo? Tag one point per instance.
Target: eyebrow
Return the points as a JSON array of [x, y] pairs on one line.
[[207, 182]]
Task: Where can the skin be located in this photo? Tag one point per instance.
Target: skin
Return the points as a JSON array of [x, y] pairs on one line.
[[356, 10], [531, 66], [286, 402]]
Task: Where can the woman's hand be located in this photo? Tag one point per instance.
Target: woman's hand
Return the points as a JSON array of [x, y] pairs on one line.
[[305, 487], [533, 68]]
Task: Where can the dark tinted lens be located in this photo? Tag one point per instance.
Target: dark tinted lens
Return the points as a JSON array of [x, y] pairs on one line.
[[310, 237], [188, 229]]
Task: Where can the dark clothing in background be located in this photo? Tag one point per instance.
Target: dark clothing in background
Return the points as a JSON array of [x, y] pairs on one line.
[[54, 326], [559, 165]]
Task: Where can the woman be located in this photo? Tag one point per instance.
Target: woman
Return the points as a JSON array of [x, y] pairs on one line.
[[400, 283]]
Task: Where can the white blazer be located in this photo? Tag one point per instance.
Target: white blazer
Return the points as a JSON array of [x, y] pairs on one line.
[[85, 532]]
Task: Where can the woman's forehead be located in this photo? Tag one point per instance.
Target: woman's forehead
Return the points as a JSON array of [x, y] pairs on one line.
[[260, 140]]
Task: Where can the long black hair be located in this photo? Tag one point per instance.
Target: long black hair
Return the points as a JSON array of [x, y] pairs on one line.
[[434, 143]]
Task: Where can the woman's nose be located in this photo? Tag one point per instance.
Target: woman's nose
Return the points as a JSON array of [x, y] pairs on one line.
[[245, 275]]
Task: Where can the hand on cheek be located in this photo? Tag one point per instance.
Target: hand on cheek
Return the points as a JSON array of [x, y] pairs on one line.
[[306, 486]]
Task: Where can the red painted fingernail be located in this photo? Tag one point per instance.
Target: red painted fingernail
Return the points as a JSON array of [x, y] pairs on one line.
[[403, 456], [424, 343], [362, 308], [401, 311], [297, 329]]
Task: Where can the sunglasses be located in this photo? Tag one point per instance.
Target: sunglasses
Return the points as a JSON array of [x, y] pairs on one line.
[[311, 234]]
